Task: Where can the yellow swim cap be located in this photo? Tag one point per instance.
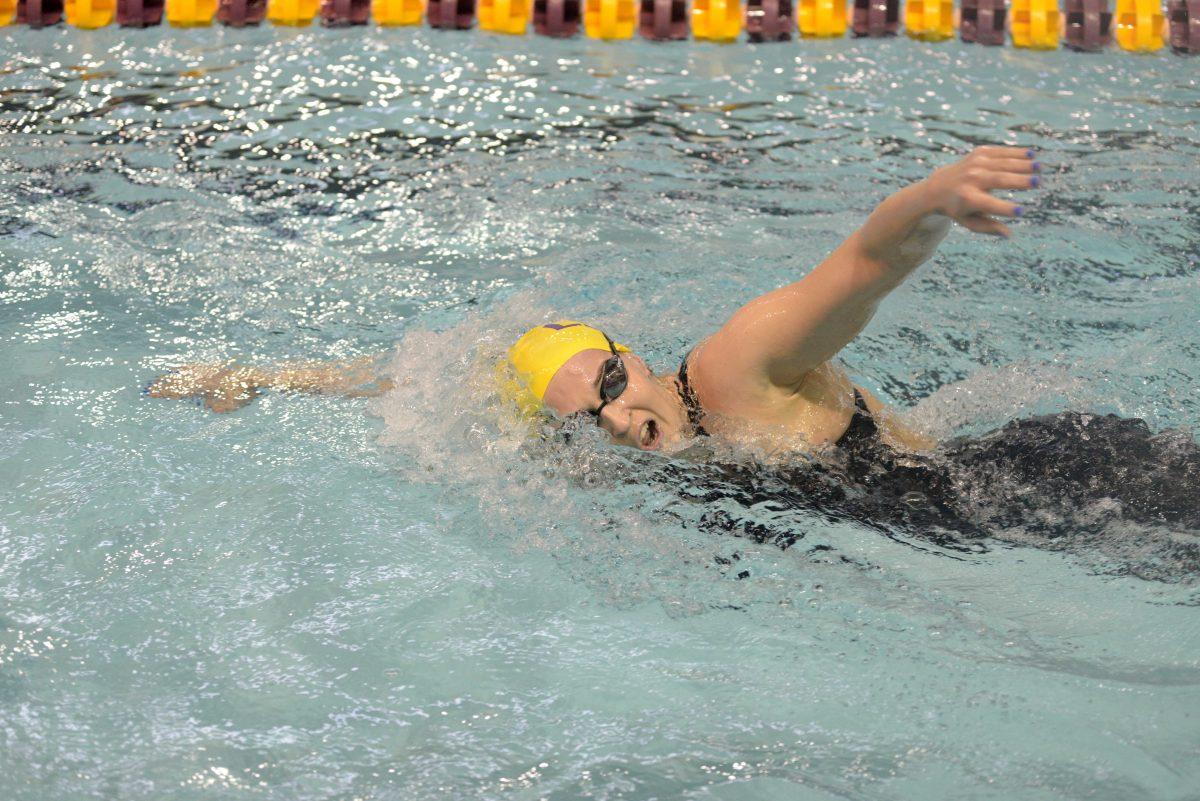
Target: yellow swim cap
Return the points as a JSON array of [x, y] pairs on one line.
[[541, 351]]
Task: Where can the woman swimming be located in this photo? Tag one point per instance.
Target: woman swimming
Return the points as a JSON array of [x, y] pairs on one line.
[[767, 376], [767, 369]]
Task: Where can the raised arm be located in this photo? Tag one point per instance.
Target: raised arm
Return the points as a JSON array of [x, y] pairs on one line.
[[778, 338], [226, 387]]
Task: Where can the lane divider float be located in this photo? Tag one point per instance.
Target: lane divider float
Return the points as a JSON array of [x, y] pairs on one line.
[[929, 20], [90, 14], [822, 19], [289, 13], [663, 20], [344, 13], [39, 13], [241, 13], [390, 13], [1089, 25], [1184, 19], [1139, 25], [504, 16], [983, 21], [717, 20], [1035, 24], [609, 19], [876, 18], [769, 20], [558, 18]]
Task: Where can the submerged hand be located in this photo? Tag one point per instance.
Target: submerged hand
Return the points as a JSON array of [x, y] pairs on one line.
[[228, 387], [223, 388], [963, 191]]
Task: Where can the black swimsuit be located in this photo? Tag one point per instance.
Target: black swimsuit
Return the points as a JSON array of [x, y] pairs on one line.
[[1065, 481], [862, 431]]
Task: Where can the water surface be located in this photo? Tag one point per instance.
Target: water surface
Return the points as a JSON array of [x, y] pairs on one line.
[[317, 598]]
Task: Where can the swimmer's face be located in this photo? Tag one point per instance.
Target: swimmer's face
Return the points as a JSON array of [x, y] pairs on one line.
[[647, 415]]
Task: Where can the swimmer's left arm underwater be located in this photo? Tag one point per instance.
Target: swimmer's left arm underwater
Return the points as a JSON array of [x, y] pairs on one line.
[[768, 369]]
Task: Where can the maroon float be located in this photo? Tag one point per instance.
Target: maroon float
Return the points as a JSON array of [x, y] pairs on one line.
[[453, 14], [341, 13], [39, 13], [770, 20], [556, 17], [983, 21], [240, 13], [663, 19], [1089, 24], [1184, 22], [875, 18], [139, 13]]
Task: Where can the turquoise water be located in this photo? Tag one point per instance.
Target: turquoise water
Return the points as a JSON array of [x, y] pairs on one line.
[[407, 598]]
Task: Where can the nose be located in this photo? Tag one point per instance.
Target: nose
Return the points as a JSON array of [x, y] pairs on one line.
[[615, 418]]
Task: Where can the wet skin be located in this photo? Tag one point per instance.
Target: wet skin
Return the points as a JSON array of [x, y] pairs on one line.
[[649, 413]]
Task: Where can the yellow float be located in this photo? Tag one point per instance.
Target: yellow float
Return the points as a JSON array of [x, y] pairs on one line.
[[609, 19], [1034, 24], [8, 10], [397, 12], [822, 18], [90, 13], [191, 13], [1139, 25], [504, 16], [929, 20], [294, 13], [717, 20]]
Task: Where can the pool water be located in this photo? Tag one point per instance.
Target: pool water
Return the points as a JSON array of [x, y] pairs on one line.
[[411, 598]]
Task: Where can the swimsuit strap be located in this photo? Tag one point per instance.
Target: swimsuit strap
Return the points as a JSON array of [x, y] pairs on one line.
[[862, 431], [691, 403]]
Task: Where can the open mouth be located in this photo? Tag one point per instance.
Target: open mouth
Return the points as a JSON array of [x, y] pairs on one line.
[[650, 435]]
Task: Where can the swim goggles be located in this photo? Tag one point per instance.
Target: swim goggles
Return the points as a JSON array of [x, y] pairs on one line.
[[613, 379]]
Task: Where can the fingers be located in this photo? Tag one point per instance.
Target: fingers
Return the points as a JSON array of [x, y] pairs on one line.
[[983, 203], [1000, 152], [1022, 165], [982, 224], [1011, 180]]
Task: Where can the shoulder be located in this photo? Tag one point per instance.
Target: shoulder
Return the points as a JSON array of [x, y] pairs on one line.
[[722, 383]]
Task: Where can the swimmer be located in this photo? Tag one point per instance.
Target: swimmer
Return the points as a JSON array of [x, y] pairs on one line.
[[768, 377], [767, 371]]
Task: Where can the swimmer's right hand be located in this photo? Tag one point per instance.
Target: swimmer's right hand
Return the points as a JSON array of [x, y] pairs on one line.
[[221, 387]]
